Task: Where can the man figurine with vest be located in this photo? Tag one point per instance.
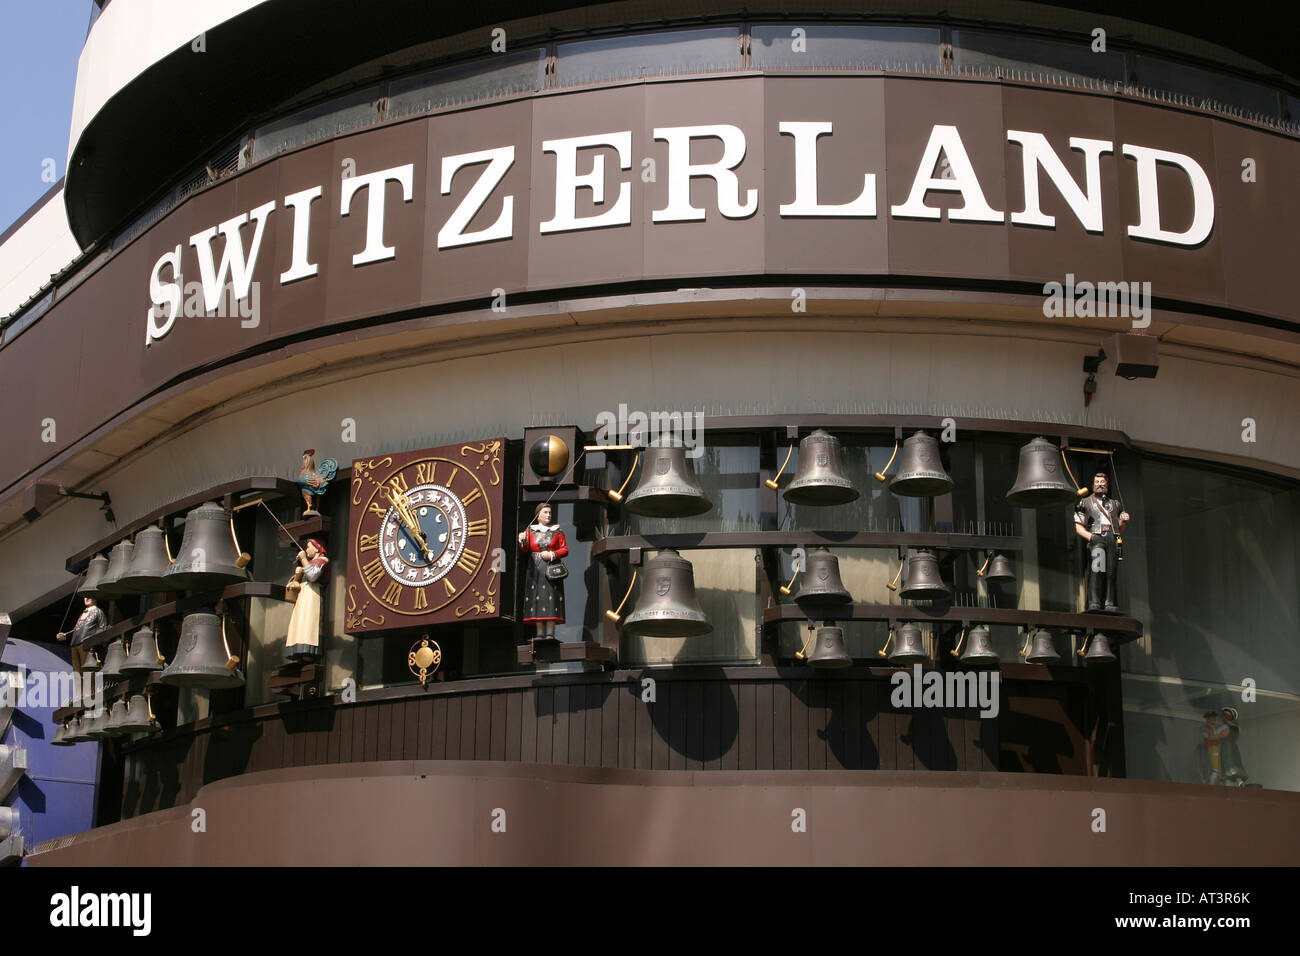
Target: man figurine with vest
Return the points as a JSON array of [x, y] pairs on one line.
[[90, 623], [1098, 519]]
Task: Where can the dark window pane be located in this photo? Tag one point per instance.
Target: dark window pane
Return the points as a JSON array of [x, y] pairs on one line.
[[648, 54], [844, 47], [503, 75], [990, 52]]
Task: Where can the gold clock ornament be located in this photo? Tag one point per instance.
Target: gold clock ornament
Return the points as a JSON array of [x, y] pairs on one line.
[[424, 658], [424, 528]]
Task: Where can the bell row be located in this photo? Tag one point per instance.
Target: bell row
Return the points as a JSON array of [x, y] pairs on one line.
[[203, 658], [822, 583], [209, 557], [905, 646], [668, 487], [129, 717]]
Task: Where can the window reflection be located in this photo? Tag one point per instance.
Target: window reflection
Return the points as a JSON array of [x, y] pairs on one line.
[[845, 47], [647, 54]]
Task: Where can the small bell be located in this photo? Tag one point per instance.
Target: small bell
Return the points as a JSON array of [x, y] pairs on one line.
[[95, 572], [920, 470], [143, 657], [138, 718], [60, 738], [118, 559], [1098, 650], [113, 725], [924, 583], [667, 605], [668, 487], [998, 570], [91, 664], [94, 725], [909, 648], [819, 479], [978, 648], [114, 658], [828, 650], [149, 562], [76, 731], [1042, 649], [821, 580]]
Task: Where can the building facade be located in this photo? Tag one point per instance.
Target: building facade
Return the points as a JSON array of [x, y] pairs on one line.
[[475, 264]]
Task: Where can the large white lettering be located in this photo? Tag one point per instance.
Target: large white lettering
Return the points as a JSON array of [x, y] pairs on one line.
[[1037, 153], [681, 171], [163, 294], [568, 181], [233, 261], [453, 231], [805, 177], [375, 250], [946, 140], [1148, 224]]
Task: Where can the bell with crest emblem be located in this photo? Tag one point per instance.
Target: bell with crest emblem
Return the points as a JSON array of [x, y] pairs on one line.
[[820, 478], [1040, 479], [920, 470], [668, 488], [667, 606]]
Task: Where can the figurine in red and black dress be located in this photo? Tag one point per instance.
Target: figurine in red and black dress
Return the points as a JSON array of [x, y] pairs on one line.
[[543, 595]]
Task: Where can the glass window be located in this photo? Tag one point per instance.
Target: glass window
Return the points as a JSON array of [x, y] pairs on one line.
[[503, 75], [844, 47], [991, 52], [1204, 85], [648, 54], [319, 122]]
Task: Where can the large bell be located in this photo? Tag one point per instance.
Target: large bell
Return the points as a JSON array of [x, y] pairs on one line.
[[118, 559], [208, 557], [820, 478], [143, 657], [1040, 480], [149, 562], [138, 718], [114, 658], [1042, 649], [95, 572], [829, 650], [1099, 650], [1000, 570], [821, 580], [668, 488], [909, 647], [924, 583], [667, 605], [920, 470], [203, 658], [978, 649]]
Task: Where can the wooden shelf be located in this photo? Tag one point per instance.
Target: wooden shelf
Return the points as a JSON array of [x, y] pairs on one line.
[[692, 541], [316, 524], [1122, 628], [559, 652], [186, 605]]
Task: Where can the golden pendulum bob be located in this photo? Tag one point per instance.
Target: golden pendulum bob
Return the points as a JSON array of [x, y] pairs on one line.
[[924, 583], [209, 556], [909, 647], [668, 488], [821, 582], [149, 562], [118, 559], [920, 470], [828, 648], [1041, 477], [114, 658], [997, 569], [978, 650], [667, 605], [1097, 650], [1040, 648], [143, 657], [203, 657], [95, 572], [820, 478], [139, 718]]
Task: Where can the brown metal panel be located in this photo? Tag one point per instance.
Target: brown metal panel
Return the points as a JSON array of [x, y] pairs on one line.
[[645, 734], [439, 732], [660, 713], [497, 723], [560, 729], [468, 725], [483, 725], [528, 725], [677, 725], [299, 305], [546, 724], [711, 703], [781, 702], [510, 729], [764, 716], [609, 737], [746, 696], [594, 728]]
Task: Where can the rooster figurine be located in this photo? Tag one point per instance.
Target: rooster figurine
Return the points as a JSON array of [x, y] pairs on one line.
[[312, 479]]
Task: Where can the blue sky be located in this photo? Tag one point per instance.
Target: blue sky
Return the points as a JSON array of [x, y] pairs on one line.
[[40, 41]]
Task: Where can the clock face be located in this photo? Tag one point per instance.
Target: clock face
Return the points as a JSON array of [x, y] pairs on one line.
[[426, 529]]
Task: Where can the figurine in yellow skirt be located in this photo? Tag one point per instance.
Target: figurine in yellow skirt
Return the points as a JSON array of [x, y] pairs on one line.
[[303, 640]]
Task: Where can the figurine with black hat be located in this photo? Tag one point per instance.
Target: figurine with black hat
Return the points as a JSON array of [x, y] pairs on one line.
[[1099, 519]]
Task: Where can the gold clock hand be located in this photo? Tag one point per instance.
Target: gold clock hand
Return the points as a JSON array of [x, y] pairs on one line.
[[403, 506]]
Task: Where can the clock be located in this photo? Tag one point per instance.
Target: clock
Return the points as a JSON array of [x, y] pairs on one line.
[[425, 537]]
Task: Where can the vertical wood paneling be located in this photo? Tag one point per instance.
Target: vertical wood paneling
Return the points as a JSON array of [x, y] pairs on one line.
[[677, 725], [500, 730], [904, 726], [595, 730], [453, 728], [835, 725], [343, 730], [468, 715], [781, 703], [438, 729], [384, 733], [483, 725], [609, 726], [763, 751], [514, 700], [528, 726], [628, 703], [424, 729], [695, 725], [851, 697], [545, 724], [712, 725], [660, 712], [397, 731], [731, 720], [884, 727], [746, 695], [577, 724], [644, 735], [560, 726]]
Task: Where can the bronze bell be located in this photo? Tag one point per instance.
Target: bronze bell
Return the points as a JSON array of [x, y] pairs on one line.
[[209, 556], [138, 718], [203, 657], [114, 658], [60, 738], [95, 572], [118, 559], [821, 580], [91, 664], [829, 650], [149, 562], [1040, 480], [1099, 650], [76, 731], [668, 488], [113, 725], [143, 657], [94, 721], [820, 478], [909, 647], [978, 650], [998, 570], [924, 583], [1042, 649], [920, 470], [667, 605]]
